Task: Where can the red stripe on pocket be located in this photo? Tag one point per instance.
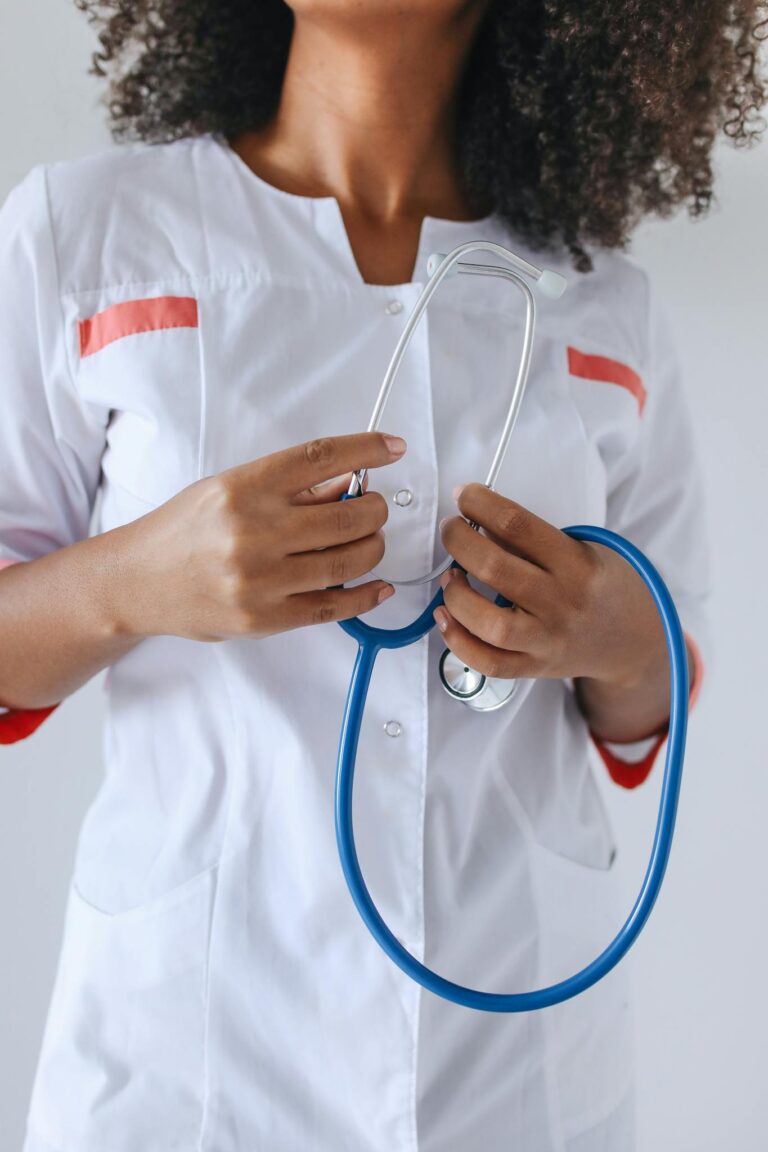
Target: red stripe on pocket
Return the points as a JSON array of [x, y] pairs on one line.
[[134, 316], [607, 371]]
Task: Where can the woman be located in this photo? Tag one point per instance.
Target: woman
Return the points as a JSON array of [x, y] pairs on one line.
[[194, 327]]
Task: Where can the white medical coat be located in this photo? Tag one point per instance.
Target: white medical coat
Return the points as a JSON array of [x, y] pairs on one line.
[[166, 314]]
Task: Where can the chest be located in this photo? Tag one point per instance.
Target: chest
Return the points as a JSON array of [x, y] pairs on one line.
[[209, 373]]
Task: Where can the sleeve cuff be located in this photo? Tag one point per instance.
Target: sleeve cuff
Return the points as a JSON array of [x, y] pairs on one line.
[[18, 723], [630, 764]]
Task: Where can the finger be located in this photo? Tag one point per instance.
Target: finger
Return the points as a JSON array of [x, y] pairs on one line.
[[331, 490], [513, 525], [517, 579], [485, 658], [511, 629], [306, 465], [335, 603], [340, 522], [327, 567]]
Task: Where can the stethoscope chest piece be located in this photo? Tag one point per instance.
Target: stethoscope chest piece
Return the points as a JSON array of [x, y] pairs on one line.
[[481, 693]]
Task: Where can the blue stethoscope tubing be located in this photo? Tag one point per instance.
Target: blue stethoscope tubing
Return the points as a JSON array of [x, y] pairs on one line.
[[370, 642]]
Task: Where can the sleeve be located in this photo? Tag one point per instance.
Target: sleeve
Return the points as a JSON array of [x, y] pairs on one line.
[[657, 501], [50, 442]]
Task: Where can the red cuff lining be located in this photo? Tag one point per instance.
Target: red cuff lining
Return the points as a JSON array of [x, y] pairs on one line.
[[623, 773], [18, 723], [630, 775]]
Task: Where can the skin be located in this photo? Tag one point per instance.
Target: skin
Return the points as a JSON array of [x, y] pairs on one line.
[[367, 114], [580, 611], [252, 551]]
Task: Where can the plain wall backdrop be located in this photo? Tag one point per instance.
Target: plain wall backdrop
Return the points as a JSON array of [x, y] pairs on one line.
[[699, 966]]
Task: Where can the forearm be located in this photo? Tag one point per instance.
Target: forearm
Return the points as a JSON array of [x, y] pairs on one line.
[[58, 620], [624, 713]]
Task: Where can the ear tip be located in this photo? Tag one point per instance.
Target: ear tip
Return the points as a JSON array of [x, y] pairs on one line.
[[434, 261], [552, 284]]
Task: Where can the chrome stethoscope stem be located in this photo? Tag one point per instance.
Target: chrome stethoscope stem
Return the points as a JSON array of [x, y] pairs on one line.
[[550, 282]]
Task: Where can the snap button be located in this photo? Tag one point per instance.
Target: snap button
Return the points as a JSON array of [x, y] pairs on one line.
[[393, 307], [403, 497], [393, 728]]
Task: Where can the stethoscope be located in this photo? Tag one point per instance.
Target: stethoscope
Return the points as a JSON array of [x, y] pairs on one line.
[[484, 694]]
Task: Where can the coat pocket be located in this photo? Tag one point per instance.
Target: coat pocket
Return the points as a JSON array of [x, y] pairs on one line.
[[122, 1064], [590, 1037], [141, 361]]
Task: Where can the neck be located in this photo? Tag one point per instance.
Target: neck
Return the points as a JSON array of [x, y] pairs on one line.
[[368, 112]]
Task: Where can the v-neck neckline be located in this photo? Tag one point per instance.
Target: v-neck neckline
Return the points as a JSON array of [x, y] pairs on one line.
[[435, 232]]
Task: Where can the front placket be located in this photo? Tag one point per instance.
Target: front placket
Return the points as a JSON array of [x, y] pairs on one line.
[[392, 764]]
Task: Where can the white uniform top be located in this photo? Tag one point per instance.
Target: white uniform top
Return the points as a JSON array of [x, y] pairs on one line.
[[166, 314]]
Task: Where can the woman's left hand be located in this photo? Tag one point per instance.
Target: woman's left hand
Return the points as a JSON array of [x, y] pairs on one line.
[[580, 609]]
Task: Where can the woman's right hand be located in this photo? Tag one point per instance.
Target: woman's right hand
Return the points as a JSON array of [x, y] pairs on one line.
[[258, 549]]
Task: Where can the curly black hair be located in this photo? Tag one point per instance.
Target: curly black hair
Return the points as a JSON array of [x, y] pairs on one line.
[[576, 117]]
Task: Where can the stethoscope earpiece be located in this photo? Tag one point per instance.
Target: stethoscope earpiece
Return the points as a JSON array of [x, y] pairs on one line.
[[440, 266], [548, 282]]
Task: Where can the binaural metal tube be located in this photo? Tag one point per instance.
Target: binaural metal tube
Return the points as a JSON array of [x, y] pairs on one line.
[[445, 268]]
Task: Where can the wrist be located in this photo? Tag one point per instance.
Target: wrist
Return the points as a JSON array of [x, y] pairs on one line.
[[631, 707], [124, 592], [642, 660]]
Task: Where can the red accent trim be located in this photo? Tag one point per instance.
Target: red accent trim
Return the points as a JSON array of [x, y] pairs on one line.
[[18, 723], [629, 774], [607, 371], [623, 773], [134, 316]]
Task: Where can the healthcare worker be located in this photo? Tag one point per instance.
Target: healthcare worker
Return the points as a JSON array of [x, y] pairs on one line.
[[193, 326]]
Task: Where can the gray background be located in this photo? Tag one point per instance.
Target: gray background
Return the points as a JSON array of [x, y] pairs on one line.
[[699, 967]]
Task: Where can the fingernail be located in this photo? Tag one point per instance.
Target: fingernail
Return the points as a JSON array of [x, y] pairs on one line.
[[385, 593], [458, 491], [446, 578], [441, 616], [443, 522], [396, 445]]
